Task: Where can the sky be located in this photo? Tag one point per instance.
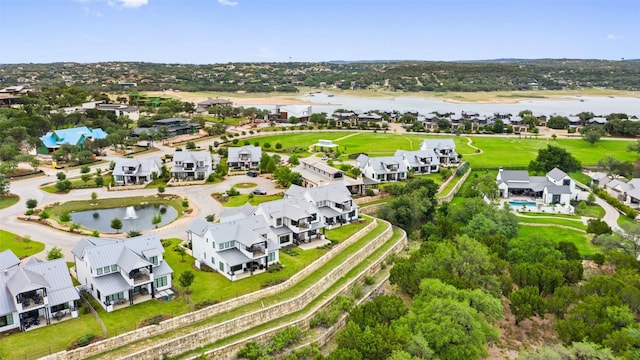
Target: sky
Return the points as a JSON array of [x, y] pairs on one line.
[[222, 31]]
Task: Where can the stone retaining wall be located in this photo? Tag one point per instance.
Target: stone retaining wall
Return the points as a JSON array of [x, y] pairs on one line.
[[199, 315], [455, 189], [230, 351], [212, 333]]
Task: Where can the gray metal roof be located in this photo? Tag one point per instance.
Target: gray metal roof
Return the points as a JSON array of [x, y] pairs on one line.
[[144, 166], [234, 153], [514, 175], [129, 260], [8, 260], [439, 144], [111, 284], [162, 269], [558, 189], [52, 275], [236, 213], [234, 257], [556, 174], [103, 252]]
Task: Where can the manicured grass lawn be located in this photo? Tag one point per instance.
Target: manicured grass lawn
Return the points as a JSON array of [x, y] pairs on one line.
[[245, 185], [581, 240], [301, 140], [595, 211], [342, 233], [20, 248], [622, 220], [77, 183], [109, 203], [48, 339], [6, 201], [555, 221], [239, 200], [521, 151]]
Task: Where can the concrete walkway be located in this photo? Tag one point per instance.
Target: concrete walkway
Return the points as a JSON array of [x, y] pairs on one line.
[[611, 215]]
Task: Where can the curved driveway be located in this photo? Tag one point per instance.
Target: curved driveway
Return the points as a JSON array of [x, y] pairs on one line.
[[199, 199]]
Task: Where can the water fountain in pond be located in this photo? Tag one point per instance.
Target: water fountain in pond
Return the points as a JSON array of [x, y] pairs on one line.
[[130, 213]]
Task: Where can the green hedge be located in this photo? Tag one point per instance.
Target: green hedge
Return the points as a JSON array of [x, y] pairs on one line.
[[627, 210]]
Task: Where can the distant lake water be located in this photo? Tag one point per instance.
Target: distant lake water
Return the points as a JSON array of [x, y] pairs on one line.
[[564, 106]]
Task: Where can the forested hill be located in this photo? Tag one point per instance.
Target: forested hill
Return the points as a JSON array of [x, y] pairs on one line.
[[493, 75]]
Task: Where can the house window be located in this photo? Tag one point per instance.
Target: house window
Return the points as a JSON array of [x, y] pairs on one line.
[[160, 282], [284, 239], [154, 260], [106, 269], [272, 256], [213, 261], [99, 271], [279, 222], [221, 266], [114, 268], [566, 182], [6, 320], [60, 307], [115, 297]]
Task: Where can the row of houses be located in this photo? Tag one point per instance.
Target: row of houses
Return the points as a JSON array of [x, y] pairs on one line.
[[248, 239], [432, 154], [187, 165], [627, 191]]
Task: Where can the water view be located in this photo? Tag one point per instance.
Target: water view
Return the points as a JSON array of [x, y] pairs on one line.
[[562, 106], [137, 218]]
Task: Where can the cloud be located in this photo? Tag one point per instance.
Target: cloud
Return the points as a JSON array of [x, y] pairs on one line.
[[612, 37], [129, 3], [227, 3]]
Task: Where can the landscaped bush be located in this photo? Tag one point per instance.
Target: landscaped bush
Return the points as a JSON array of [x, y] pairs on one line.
[[290, 251], [369, 280], [82, 341], [165, 242], [369, 192], [205, 303], [272, 282], [628, 211], [275, 267]]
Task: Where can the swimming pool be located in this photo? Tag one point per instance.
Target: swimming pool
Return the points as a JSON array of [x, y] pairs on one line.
[[516, 203]]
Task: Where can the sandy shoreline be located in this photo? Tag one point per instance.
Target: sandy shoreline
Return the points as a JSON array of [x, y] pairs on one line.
[[454, 98]]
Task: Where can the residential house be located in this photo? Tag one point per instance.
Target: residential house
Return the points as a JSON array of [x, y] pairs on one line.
[[284, 113], [193, 165], [292, 220], [174, 126], [121, 272], [35, 294], [204, 106], [235, 248], [382, 169], [316, 172], [370, 119], [445, 150], [136, 171], [599, 179], [333, 201], [626, 191], [77, 136], [420, 161], [556, 187], [132, 112], [244, 157]]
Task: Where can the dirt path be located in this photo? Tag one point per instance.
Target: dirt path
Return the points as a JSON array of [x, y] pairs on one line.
[[347, 136], [470, 144]]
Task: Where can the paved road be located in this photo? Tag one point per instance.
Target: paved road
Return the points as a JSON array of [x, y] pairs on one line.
[[199, 198]]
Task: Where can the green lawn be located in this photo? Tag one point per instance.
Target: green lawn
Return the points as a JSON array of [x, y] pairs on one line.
[[342, 233], [581, 240], [521, 151], [554, 221], [109, 203], [6, 201], [245, 185], [239, 200], [15, 243], [48, 339], [595, 211], [623, 220], [77, 183]]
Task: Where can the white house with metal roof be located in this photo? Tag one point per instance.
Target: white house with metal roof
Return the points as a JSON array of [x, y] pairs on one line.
[[244, 157], [35, 294], [136, 171], [333, 201], [420, 161], [120, 272], [292, 220], [625, 191], [235, 248], [556, 187], [193, 165], [445, 149], [382, 168]]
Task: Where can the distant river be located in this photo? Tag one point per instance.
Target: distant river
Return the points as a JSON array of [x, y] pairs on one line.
[[565, 106]]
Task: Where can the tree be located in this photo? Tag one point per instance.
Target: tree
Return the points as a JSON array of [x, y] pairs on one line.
[[4, 185], [31, 203], [54, 253], [293, 160], [116, 224], [592, 135], [186, 279], [157, 219], [485, 185], [554, 157], [498, 126], [99, 181], [558, 122], [577, 350], [598, 227], [526, 303], [627, 241], [65, 217], [85, 177], [94, 196], [160, 190], [181, 251], [63, 185]]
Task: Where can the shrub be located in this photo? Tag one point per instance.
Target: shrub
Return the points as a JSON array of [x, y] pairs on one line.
[[357, 291], [272, 282], [205, 303], [233, 191], [84, 340], [369, 192], [369, 280], [275, 267]]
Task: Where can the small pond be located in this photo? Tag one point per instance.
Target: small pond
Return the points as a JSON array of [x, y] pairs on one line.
[[133, 218]]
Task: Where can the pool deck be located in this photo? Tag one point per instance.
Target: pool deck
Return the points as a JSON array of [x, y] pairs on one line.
[[539, 206]]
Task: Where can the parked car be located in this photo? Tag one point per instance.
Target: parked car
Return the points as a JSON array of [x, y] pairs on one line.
[[325, 158], [259, 192], [252, 173]]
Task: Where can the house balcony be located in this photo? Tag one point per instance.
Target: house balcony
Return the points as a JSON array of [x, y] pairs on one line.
[[32, 302], [137, 299], [140, 276]]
